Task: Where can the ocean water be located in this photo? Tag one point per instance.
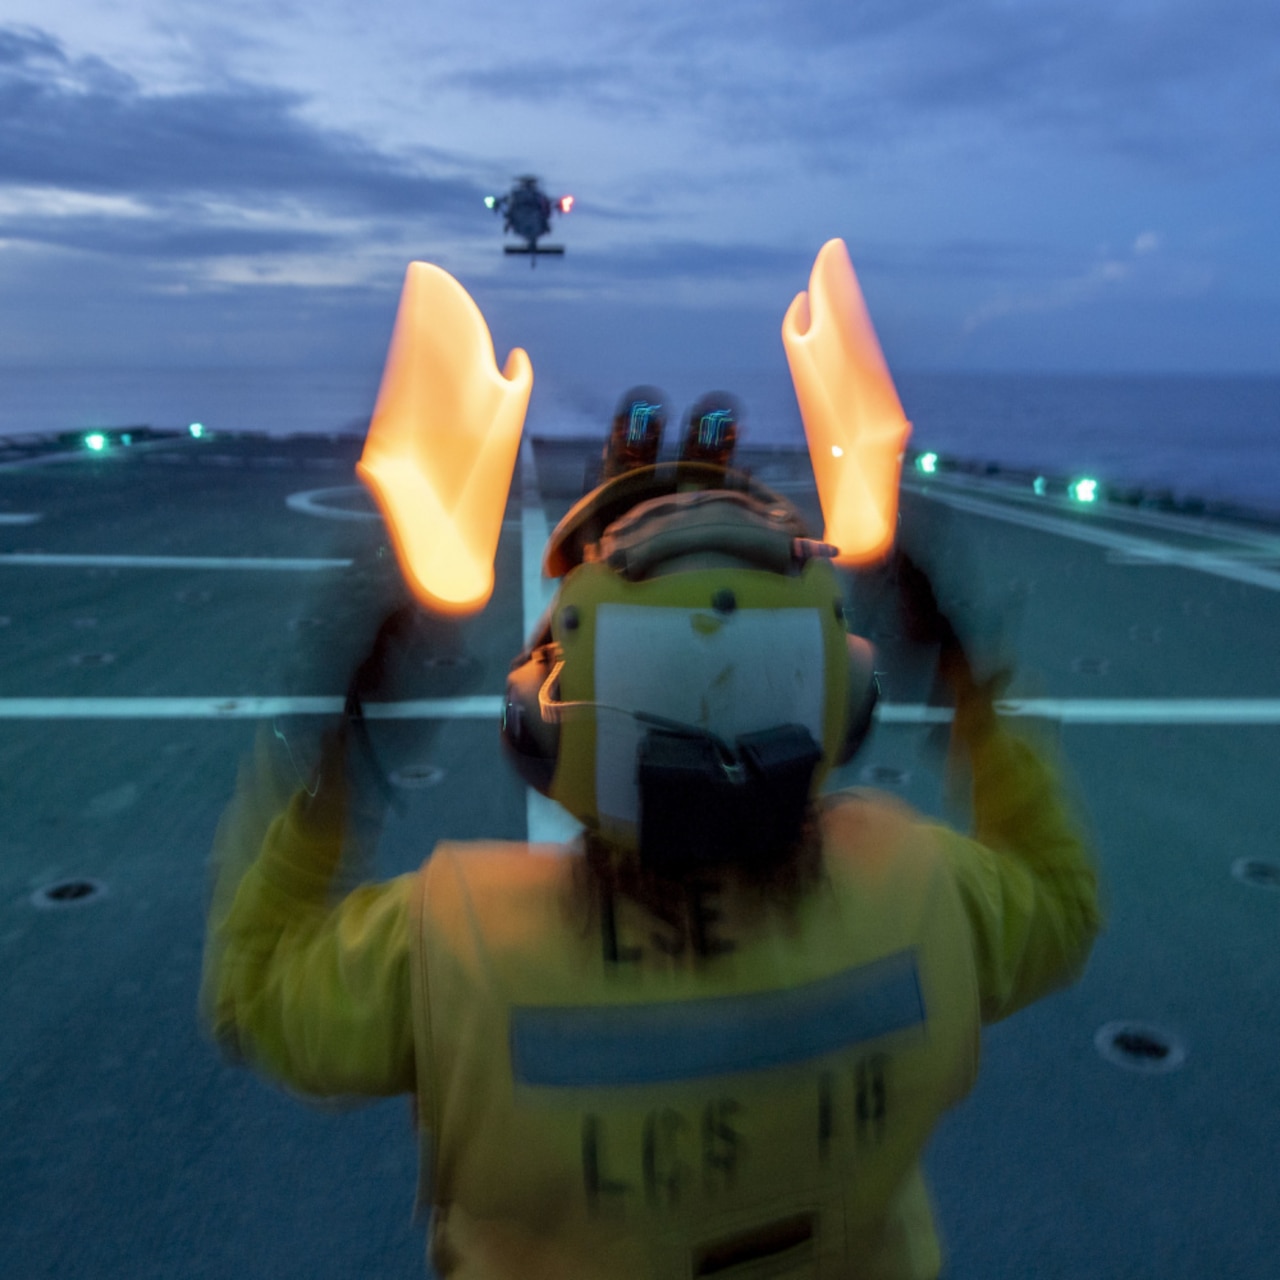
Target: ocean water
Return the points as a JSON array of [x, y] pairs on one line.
[[1216, 438]]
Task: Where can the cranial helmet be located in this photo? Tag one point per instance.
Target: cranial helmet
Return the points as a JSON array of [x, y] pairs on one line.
[[694, 679]]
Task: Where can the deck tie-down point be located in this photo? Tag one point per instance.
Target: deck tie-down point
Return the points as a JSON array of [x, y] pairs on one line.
[[1140, 1047], [68, 893]]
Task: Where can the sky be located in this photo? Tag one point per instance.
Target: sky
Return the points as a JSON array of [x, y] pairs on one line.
[[1023, 185]]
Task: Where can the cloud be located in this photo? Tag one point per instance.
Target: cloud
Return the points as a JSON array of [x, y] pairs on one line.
[[160, 238], [965, 148], [697, 261], [1185, 83], [1137, 272], [202, 164]]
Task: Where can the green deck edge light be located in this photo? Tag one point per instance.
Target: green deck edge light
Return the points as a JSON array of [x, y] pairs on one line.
[[928, 463], [1085, 490], [96, 441], [1040, 486]]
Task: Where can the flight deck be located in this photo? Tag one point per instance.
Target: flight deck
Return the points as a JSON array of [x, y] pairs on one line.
[[166, 602]]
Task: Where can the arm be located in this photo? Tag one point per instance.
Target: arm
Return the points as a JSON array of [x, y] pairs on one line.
[[1026, 878], [313, 992]]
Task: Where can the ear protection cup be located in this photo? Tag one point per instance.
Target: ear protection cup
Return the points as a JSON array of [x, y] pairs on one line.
[[532, 743]]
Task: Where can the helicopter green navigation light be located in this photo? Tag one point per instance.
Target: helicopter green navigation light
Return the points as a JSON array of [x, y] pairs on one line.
[[1084, 490], [489, 202], [96, 441], [928, 463]]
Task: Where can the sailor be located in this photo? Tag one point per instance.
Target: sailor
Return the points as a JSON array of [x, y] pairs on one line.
[[712, 1035]]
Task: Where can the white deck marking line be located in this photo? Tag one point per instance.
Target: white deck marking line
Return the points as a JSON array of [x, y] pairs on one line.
[[39, 459], [82, 454], [1185, 711], [1143, 549], [1116, 711], [1100, 711], [1251, 544], [1246, 555], [19, 517], [32, 558], [1169, 522], [534, 531], [484, 707], [546, 821]]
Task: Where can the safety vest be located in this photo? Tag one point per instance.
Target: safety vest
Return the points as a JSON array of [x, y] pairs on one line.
[[728, 1094]]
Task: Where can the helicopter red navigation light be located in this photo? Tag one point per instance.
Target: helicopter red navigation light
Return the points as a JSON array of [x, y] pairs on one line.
[[566, 204]]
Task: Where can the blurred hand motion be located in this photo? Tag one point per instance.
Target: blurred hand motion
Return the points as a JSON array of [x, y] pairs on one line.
[[927, 624], [852, 415], [443, 442]]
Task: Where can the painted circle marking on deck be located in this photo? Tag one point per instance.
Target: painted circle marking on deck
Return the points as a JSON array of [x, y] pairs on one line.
[[1258, 873], [68, 893], [318, 502], [1140, 1047], [417, 777]]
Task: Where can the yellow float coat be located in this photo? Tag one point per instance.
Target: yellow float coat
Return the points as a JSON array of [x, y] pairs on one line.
[[732, 1092]]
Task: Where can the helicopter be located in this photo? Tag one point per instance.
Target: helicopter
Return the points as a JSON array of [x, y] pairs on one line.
[[527, 210]]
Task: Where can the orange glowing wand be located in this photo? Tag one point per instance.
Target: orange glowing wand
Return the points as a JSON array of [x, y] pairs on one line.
[[852, 415], [443, 441]]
